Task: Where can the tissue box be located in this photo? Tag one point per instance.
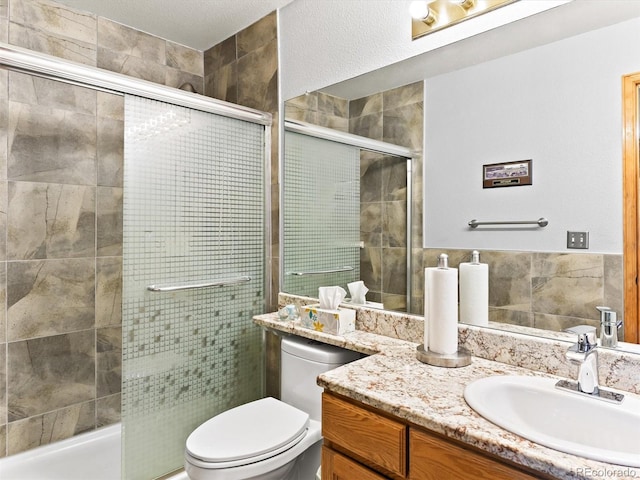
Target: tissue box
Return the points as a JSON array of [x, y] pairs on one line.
[[336, 322]]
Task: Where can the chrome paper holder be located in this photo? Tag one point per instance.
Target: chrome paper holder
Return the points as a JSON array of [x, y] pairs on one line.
[[541, 222]]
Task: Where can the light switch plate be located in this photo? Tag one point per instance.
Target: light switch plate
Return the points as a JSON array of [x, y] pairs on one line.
[[578, 240]]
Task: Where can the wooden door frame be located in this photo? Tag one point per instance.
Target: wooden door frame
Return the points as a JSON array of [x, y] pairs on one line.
[[631, 234]]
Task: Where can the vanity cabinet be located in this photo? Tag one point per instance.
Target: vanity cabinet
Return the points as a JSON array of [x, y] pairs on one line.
[[364, 435], [363, 443], [431, 455]]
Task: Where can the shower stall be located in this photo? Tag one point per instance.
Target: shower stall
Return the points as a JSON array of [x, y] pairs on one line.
[[175, 234]]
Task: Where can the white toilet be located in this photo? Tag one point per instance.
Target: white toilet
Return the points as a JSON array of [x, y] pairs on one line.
[[269, 439]]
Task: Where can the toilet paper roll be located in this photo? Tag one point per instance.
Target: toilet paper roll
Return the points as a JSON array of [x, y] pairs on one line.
[[441, 309], [474, 293]]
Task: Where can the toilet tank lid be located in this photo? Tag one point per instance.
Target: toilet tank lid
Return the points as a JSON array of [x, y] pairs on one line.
[[247, 431], [318, 351]]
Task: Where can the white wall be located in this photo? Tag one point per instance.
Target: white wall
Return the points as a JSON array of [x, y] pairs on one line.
[[559, 105], [323, 42]]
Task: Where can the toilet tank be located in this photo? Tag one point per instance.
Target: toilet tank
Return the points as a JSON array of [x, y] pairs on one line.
[[302, 360]]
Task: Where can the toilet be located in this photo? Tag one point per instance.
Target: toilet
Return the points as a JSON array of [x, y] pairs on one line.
[[270, 439]]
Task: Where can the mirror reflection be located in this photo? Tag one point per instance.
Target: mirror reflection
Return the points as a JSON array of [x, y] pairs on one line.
[[535, 281]]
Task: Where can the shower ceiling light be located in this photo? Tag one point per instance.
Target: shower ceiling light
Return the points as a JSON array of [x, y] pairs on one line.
[[432, 15]]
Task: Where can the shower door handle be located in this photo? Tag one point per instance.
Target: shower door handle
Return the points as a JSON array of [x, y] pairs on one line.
[[321, 272], [196, 285]]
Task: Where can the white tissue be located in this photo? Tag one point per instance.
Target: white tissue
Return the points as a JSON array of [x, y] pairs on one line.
[[358, 292], [441, 310], [331, 297], [474, 293]]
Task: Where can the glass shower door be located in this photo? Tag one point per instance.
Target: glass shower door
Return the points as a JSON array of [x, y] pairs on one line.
[[193, 276], [321, 214]]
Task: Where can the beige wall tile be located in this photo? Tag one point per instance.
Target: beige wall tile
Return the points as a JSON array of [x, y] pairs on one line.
[[108, 410], [51, 146], [128, 42], [108, 361], [185, 59], [51, 427], [255, 36], [132, 66], [50, 220], [49, 297], [60, 369], [109, 221], [258, 79], [220, 55], [108, 291], [54, 29]]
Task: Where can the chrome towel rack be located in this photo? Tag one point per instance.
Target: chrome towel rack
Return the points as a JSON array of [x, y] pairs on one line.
[[541, 222], [346, 268], [191, 286]]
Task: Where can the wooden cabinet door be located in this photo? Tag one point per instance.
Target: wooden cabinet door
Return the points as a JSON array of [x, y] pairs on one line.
[[433, 458], [338, 467], [371, 438]]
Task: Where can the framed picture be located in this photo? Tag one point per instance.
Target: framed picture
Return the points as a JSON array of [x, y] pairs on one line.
[[509, 174]]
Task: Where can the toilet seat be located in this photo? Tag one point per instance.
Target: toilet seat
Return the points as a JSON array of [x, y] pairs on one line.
[[247, 434]]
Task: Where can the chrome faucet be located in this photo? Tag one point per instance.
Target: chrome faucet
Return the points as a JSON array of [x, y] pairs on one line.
[[609, 325], [584, 353]]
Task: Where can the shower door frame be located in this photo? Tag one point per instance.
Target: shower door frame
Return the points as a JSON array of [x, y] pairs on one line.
[[33, 63], [364, 143]]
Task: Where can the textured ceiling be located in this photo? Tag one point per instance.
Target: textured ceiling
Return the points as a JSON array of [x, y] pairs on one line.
[[198, 24]]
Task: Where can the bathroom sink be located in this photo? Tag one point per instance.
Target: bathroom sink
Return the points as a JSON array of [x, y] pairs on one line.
[[569, 422]]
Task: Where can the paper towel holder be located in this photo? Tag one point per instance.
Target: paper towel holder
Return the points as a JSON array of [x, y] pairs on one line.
[[461, 358]]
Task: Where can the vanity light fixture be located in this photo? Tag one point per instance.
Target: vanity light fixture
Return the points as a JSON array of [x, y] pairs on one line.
[[428, 16]]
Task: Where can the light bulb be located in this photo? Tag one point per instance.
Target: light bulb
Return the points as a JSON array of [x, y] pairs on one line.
[[419, 9]]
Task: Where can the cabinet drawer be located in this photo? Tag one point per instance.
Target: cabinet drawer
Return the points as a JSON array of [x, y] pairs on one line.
[[434, 458], [338, 467], [374, 439]]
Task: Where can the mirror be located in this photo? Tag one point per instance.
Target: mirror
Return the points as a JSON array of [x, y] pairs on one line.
[[535, 281]]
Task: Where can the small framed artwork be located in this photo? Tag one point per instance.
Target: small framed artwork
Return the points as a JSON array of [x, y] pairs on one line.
[[509, 174]]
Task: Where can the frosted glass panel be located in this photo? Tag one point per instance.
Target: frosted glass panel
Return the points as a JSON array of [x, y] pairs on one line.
[[193, 213], [321, 212]]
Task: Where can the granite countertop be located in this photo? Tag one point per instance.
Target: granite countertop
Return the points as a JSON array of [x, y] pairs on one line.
[[393, 380]]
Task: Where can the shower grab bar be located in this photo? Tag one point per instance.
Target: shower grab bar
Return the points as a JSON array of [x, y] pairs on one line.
[[192, 286], [320, 272], [541, 222]]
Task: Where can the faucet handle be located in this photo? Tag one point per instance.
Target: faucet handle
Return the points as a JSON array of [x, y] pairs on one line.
[[586, 337], [609, 326], [609, 317]]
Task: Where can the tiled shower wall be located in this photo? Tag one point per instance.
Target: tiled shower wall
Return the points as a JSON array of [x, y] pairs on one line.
[[60, 266]]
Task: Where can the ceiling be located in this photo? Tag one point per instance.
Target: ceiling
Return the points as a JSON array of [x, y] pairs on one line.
[[198, 24]]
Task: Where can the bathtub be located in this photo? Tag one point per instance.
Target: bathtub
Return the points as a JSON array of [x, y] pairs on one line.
[[93, 455]]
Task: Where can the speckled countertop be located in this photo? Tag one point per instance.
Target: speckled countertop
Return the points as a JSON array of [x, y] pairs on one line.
[[393, 380]]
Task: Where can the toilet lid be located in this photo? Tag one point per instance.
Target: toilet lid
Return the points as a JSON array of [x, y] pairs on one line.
[[250, 430]]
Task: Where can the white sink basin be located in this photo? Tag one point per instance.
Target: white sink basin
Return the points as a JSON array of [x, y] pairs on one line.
[[572, 423]]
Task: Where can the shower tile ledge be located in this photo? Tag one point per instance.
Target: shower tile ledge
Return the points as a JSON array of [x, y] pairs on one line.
[[393, 380]]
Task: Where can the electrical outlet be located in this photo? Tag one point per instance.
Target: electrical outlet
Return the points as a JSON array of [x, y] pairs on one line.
[[578, 240]]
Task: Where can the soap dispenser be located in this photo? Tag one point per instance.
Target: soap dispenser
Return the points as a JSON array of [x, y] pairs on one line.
[[609, 325]]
